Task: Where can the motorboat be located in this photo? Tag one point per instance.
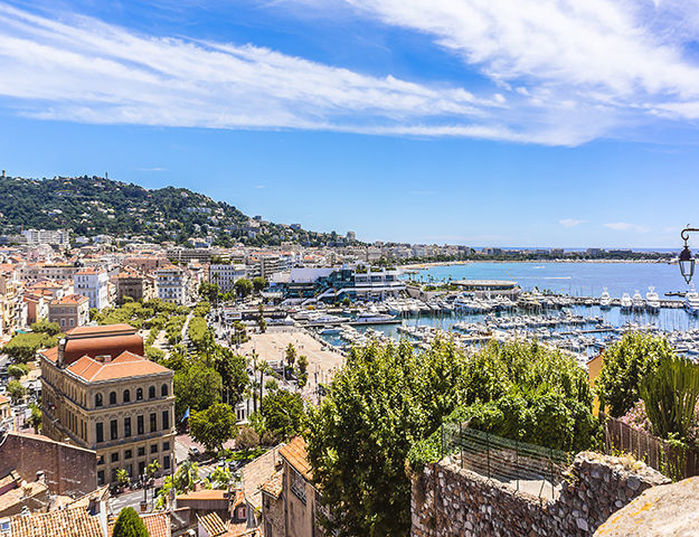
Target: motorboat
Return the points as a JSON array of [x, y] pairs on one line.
[[638, 303], [626, 302], [605, 300], [652, 300], [691, 302], [368, 317]]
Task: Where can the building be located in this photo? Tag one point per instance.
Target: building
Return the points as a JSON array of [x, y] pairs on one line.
[[94, 284], [134, 285], [99, 392], [13, 309], [290, 502], [171, 284], [225, 275], [36, 272], [35, 237], [6, 421], [69, 311]]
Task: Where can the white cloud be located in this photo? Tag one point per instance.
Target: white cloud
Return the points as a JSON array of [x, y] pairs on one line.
[[625, 226], [571, 222]]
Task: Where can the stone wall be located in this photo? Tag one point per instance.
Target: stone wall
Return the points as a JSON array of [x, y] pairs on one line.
[[68, 470], [449, 501]]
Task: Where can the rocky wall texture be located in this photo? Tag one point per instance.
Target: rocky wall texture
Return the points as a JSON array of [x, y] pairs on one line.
[[448, 501]]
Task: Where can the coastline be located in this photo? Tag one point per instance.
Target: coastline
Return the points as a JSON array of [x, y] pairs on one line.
[[426, 265]]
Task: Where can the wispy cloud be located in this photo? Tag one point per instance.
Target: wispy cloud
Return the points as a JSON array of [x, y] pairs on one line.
[[626, 226], [571, 222], [155, 169]]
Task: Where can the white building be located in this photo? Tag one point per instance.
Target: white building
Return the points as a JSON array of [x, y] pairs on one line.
[[171, 284], [225, 275], [34, 237], [94, 284]]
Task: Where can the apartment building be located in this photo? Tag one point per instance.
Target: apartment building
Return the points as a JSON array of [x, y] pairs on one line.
[[135, 285], [101, 393], [225, 275], [94, 284], [13, 309], [36, 272], [35, 237], [171, 284], [69, 311]]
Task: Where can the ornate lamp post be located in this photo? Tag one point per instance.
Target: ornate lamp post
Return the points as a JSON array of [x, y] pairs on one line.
[[686, 259]]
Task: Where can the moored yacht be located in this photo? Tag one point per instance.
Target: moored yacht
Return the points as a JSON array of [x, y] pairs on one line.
[[626, 302], [605, 300], [691, 302], [652, 300], [369, 317], [638, 303]]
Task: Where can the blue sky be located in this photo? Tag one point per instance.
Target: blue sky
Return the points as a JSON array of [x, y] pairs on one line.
[[481, 122]]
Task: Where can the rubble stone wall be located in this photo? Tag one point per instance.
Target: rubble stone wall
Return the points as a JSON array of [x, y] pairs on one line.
[[447, 500]]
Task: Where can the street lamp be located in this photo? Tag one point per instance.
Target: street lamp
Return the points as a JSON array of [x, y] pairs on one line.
[[686, 259]]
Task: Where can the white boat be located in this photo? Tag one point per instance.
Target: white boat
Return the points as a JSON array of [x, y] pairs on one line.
[[652, 300], [638, 303], [626, 302], [691, 302], [368, 317], [605, 300]]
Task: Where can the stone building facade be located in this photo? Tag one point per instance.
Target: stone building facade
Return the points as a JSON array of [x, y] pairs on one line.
[[70, 311], [447, 500], [99, 392], [134, 285]]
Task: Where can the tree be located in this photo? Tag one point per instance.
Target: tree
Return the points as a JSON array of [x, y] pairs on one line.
[[261, 322], [35, 418], [154, 354], [42, 325], [670, 394], [624, 364], [214, 426], [259, 283], [233, 371], [23, 347], [290, 355], [240, 334], [196, 387], [152, 469], [247, 438], [302, 371], [282, 413], [122, 478], [129, 524], [243, 287], [16, 391], [17, 371], [209, 291], [221, 478]]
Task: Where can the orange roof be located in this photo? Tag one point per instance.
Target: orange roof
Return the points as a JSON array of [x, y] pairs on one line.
[[50, 354], [65, 523], [70, 299], [3, 400], [123, 366], [295, 454], [204, 494], [157, 524], [213, 524], [273, 486], [108, 329]]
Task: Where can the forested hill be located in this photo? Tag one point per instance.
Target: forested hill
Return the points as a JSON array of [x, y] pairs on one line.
[[94, 205]]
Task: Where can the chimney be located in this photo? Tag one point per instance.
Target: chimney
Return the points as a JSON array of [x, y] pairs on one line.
[[60, 360], [93, 507]]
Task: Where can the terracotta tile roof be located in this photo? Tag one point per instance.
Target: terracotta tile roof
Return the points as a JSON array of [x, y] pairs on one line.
[[65, 523], [123, 366], [3, 400], [70, 299], [213, 524], [102, 329], [157, 524], [50, 354], [273, 486], [204, 494], [256, 473], [295, 454]]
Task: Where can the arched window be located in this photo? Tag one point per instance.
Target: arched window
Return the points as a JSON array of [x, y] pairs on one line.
[[139, 394], [163, 390], [112, 398], [151, 392], [98, 399], [127, 396]]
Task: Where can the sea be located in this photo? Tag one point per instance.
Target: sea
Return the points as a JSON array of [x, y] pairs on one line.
[[576, 279]]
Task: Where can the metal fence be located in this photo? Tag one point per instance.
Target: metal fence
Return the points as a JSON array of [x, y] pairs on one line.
[[526, 467]]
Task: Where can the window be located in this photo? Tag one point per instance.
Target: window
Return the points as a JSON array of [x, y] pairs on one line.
[[127, 427], [100, 477], [141, 451], [98, 399], [100, 460], [163, 390], [154, 448], [166, 446], [100, 432], [113, 432], [298, 485], [153, 424], [115, 457], [128, 454], [139, 394], [166, 462], [139, 424], [151, 392], [112, 398], [166, 419], [127, 396]]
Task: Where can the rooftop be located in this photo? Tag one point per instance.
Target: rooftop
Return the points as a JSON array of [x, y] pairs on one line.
[[66, 523], [294, 453], [126, 365]]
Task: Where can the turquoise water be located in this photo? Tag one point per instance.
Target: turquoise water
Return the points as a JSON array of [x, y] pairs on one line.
[[578, 279]]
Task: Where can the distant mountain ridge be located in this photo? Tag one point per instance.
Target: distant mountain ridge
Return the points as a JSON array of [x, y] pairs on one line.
[[95, 205]]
